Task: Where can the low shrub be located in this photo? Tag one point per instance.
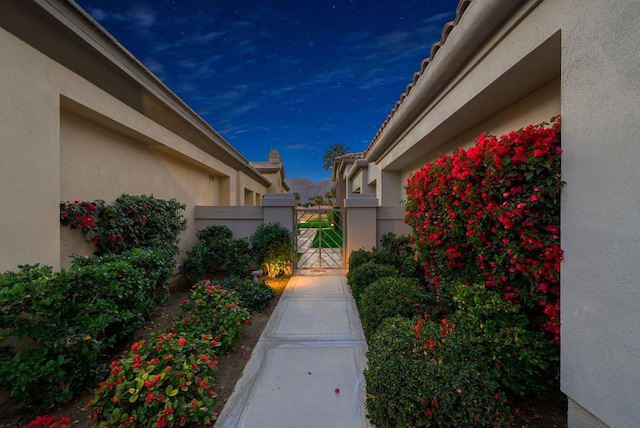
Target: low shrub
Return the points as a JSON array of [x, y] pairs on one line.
[[358, 258], [213, 234], [253, 296], [272, 246], [213, 310], [363, 276], [73, 318], [390, 297], [168, 382], [418, 375]]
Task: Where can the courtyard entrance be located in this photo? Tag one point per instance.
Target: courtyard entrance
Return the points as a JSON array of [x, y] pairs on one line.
[[319, 238]]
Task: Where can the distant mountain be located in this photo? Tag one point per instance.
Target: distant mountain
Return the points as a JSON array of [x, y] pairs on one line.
[[307, 188]]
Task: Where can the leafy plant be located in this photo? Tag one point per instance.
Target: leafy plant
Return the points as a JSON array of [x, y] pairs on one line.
[[361, 277], [130, 222], [272, 246], [253, 296], [213, 310], [73, 318], [216, 252], [519, 358], [419, 375], [390, 297], [169, 382]]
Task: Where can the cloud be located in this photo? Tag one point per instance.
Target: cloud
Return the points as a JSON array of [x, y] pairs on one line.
[[156, 68], [142, 16], [97, 14], [297, 146]]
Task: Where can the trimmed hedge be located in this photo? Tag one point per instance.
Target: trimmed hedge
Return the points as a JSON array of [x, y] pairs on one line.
[[363, 276]]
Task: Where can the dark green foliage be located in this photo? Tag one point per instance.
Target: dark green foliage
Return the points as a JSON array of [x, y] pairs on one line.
[[518, 356], [216, 252], [254, 296], [358, 258], [418, 375], [390, 297], [213, 234], [363, 276], [272, 246], [74, 317]]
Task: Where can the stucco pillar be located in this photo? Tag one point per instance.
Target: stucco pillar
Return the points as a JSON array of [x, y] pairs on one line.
[[279, 208], [360, 223]]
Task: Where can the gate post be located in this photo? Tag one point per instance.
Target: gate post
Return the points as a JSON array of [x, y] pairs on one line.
[[279, 208], [360, 223]]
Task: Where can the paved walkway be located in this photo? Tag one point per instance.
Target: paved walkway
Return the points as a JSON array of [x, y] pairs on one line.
[[306, 369]]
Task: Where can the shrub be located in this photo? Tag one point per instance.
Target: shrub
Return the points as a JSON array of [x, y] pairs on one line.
[[418, 376], [491, 215], [253, 296], [130, 222], [213, 310], [520, 358], [74, 317], [363, 276], [216, 252], [168, 382], [358, 258], [213, 234], [272, 246], [390, 297]]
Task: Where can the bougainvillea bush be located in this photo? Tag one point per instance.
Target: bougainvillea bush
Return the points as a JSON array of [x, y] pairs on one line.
[[491, 214], [130, 222]]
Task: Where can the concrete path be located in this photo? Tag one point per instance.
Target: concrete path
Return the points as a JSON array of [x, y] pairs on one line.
[[306, 369]]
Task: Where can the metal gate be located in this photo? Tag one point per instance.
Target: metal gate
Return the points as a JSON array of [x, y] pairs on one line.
[[319, 238]]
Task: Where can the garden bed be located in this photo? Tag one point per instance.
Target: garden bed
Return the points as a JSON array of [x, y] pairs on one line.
[[230, 366]]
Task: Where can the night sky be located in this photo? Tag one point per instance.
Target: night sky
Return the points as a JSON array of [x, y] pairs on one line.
[[294, 75]]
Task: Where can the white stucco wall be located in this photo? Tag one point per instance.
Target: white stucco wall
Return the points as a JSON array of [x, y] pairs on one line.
[[601, 211]]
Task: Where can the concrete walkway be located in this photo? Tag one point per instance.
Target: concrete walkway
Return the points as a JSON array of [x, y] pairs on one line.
[[306, 369]]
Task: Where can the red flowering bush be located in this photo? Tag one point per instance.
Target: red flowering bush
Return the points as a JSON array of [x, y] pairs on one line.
[[216, 311], [50, 421], [491, 214], [130, 222], [163, 384]]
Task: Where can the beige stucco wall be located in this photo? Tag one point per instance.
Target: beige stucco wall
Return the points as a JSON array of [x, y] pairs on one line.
[[535, 108], [66, 139], [601, 212]]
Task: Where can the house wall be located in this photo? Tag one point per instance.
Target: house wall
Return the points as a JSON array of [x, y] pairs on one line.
[[65, 138], [601, 213]]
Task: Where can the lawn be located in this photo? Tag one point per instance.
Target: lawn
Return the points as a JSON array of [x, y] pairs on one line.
[[327, 238], [314, 224]]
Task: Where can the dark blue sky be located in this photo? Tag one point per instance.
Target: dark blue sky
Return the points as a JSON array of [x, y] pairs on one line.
[[295, 75]]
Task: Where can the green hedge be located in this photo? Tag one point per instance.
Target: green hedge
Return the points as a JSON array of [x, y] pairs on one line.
[[73, 318]]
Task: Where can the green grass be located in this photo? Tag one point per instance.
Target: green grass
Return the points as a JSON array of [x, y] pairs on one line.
[[331, 238], [314, 224]]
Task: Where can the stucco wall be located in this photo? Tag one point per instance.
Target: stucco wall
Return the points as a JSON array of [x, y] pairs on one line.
[[66, 139], [601, 210]]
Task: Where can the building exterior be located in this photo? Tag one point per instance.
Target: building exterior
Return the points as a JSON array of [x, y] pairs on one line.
[[82, 119], [502, 65], [273, 170]]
